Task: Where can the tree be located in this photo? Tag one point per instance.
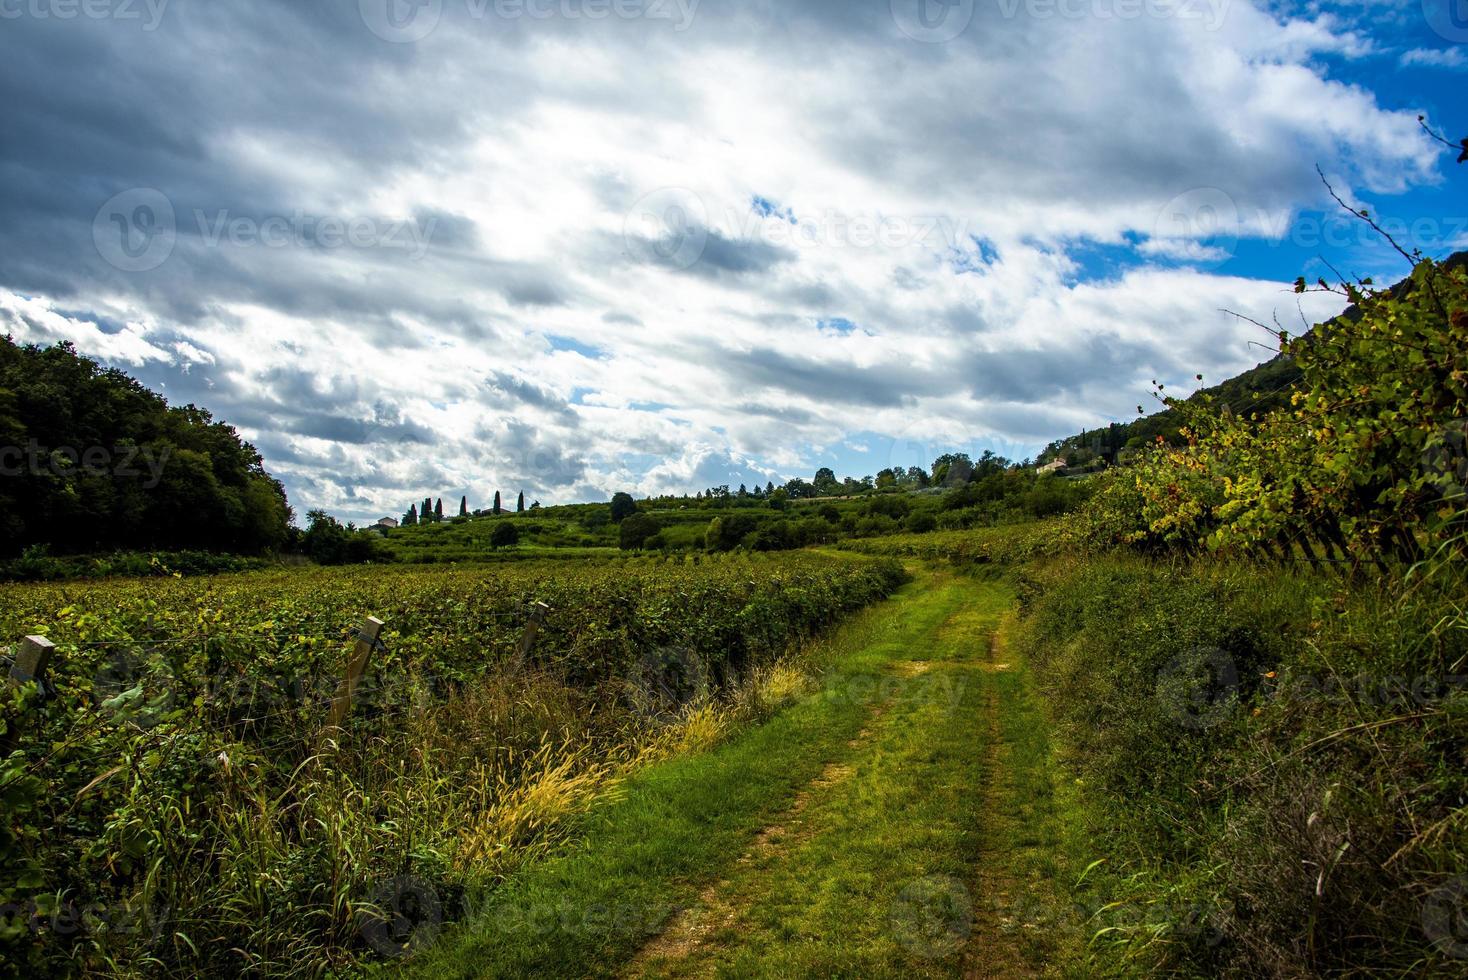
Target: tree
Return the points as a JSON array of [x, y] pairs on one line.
[[496, 502], [623, 506], [635, 531], [921, 522], [726, 533], [438, 509], [798, 489], [327, 542], [504, 535], [411, 517], [769, 488], [825, 482], [95, 461], [464, 506], [426, 514], [520, 504], [779, 500]]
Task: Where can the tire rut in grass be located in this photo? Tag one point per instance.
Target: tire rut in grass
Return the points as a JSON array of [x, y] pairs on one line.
[[992, 949], [718, 908]]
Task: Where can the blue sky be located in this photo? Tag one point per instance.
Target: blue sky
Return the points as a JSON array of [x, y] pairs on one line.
[[442, 247]]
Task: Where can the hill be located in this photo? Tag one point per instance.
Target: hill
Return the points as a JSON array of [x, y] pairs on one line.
[[1259, 390]]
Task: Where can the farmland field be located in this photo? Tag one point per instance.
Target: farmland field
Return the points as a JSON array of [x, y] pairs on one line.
[[186, 812]]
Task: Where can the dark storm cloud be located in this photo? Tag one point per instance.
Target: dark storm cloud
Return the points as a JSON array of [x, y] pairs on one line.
[[523, 392], [699, 251], [94, 108], [739, 257], [1038, 375], [825, 381], [786, 413], [531, 457], [535, 292]]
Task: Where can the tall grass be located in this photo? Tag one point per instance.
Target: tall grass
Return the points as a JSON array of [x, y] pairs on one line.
[[1274, 760], [385, 833]]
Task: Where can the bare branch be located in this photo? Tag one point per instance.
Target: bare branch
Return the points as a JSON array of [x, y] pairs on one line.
[[1364, 216]]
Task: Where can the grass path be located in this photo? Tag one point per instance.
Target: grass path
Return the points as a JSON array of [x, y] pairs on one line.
[[900, 822]]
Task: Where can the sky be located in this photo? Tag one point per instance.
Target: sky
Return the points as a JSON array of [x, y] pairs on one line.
[[570, 247]]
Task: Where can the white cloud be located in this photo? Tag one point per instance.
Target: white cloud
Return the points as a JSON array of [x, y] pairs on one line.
[[940, 196], [1453, 58]]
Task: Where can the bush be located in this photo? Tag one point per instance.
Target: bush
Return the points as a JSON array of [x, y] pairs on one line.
[[889, 505], [635, 531], [1260, 737], [327, 542], [921, 522], [623, 507], [727, 533], [504, 535]]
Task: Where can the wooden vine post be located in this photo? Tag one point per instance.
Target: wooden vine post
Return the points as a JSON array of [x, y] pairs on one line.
[[29, 664], [341, 704], [31, 660], [538, 613]]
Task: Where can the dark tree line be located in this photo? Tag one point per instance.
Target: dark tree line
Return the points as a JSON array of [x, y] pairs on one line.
[[91, 460]]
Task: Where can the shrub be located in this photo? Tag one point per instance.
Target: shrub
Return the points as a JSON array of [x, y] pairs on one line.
[[635, 531], [504, 535], [1253, 743], [921, 522]]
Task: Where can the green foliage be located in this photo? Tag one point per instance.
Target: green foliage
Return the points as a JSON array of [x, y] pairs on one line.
[[94, 461], [37, 564], [1012, 544], [1276, 759], [504, 535], [623, 506], [727, 533], [327, 542], [167, 780], [635, 530], [1366, 464]]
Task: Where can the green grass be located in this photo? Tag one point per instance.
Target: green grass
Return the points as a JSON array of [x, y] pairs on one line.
[[1291, 805], [876, 882], [680, 824], [846, 836]]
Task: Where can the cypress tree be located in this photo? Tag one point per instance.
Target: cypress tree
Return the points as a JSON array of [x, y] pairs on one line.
[[520, 504], [464, 506], [496, 501], [438, 509]]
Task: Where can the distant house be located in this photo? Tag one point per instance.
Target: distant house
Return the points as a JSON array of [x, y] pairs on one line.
[[387, 523], [1054, 466]]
